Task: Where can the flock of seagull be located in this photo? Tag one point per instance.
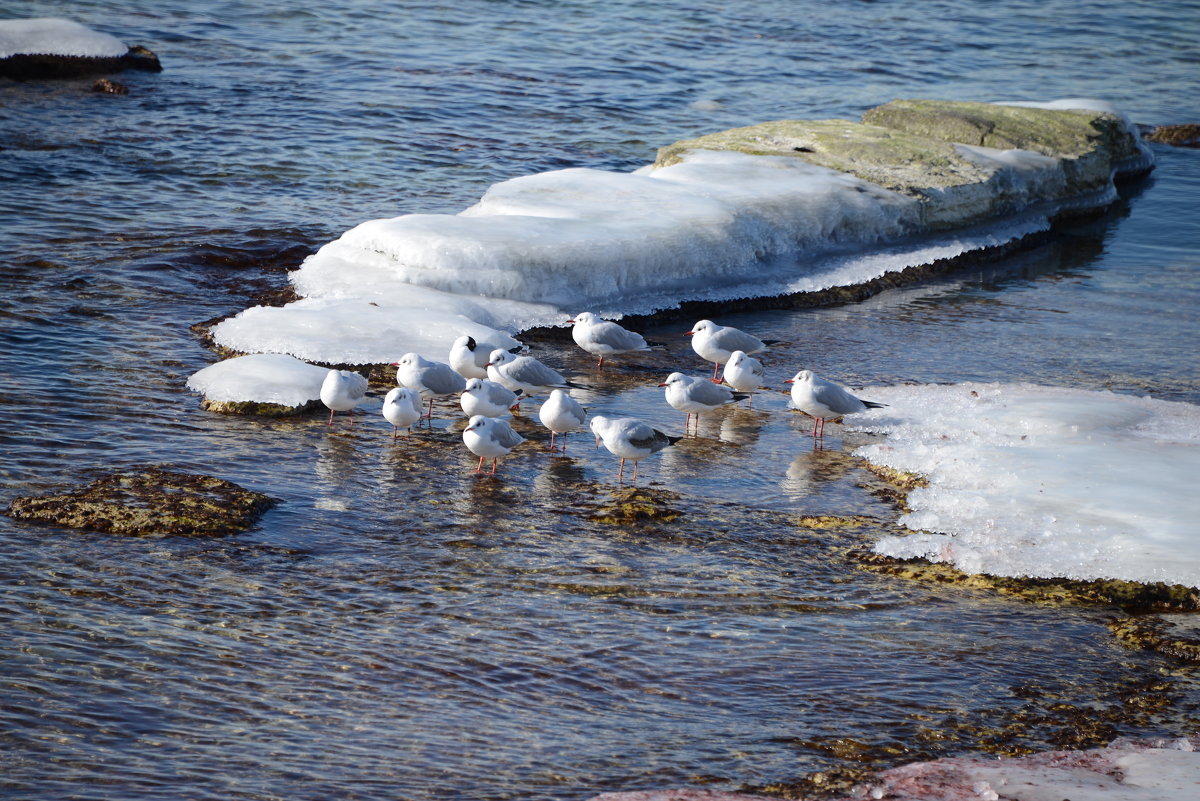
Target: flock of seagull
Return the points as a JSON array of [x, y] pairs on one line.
[[490, 381]]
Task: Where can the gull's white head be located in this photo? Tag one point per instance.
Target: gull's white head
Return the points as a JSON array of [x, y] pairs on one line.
[[473, 384], [586, 318], [675, 379], [702, 327], [804, 376], [499, 356], [478, 423]]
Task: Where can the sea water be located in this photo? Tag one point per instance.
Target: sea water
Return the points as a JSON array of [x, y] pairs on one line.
[[397, 627]]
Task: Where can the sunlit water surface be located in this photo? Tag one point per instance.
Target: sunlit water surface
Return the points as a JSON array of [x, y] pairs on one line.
[[400, 628]]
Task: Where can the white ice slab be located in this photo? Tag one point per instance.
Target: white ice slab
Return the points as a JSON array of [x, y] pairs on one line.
[[1037, 481], [260, 378], [56, 37]]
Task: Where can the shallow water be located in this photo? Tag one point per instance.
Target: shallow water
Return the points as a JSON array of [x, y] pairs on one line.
[[398, 627]]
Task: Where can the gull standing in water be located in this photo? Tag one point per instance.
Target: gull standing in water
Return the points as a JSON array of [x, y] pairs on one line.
[[524, 373], [489, 438], [716, 343], [604, 338], [487, 398], [629, 438], [402, 408], [744, 373], [341, 391], [469, 358], [695, 395], [561, 414], [824, 400], [431, 379]]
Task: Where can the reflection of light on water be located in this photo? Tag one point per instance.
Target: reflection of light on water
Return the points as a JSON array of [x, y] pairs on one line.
[[741, 426]]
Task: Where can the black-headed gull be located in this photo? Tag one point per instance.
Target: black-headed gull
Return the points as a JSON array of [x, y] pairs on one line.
[[743, 372], [489, 438], [824, 400], [604, 338], [402, 408], [341, 391], [629, 438], [561, 414], [716, 343], [432, 379], [469, 357], [695, 395], [488, 398], [524, 373]]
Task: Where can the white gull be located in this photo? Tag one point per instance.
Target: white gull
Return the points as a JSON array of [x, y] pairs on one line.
[[402, 408], [489, 438], [696, 395], [716, 343], [824, 400], [561, 414], [604, 338], [341, 391], [629, 438], [432, 379], [488, 398]]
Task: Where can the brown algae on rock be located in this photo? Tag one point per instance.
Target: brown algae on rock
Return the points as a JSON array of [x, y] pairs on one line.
[[257, 409], [149, 502], [637, 505], [1154, 633]]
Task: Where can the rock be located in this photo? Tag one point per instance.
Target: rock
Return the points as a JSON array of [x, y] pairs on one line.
[[956, 158], [1154, 633], [637, 505], [110, 87], [40, 66], [1187, 135], [148, 502]]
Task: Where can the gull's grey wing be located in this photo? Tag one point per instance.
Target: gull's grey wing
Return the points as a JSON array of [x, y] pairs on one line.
[[499, 395], [616, 337], [505, 435], [528, 370], [708, 393], [732, 339], [836, 398], [442, 379]]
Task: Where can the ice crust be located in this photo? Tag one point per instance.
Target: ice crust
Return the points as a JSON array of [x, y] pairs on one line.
[[538, 248], [260, 378], [1027, 480], [56, 37]]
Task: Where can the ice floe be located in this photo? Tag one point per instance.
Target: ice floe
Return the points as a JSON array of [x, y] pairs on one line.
[[56, 37], [1028, 480]]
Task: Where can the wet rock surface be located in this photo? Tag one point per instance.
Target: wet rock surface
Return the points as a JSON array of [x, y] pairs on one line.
[[42, 66], [149, 502], [1185, 135]]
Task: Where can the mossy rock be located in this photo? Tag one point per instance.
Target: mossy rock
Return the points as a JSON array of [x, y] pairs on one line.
[[256, 409], [149, 502], [835, 522], [911, 147], [637, 505], [40, 66], [1155, 634], [1130, 595]]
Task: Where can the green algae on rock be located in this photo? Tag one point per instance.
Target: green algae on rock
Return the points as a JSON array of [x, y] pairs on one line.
[[637, 505], [930, 150], [257, 409], [149, 502]]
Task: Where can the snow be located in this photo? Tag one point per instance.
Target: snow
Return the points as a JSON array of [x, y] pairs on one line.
[[261, 378], [1027, 480], [56, 37]]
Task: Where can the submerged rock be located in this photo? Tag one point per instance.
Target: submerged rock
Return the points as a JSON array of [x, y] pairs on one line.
[[637, 505], [965, 162], [148, 502], [1153, 633], [1187, 135]]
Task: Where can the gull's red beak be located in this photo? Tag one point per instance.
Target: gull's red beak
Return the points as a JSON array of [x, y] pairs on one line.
[[662, 385], [394, 364], [690, 333], [789, 381]]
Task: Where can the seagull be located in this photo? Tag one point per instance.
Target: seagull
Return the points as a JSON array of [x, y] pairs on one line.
[[629, 438], [402, 408], [561, 413], [824, 400], [469, 358], [489, 438], [695, 395], [743, 372], [341, 391], [524, 373], [603, 338], [429, 378], [716, 343], [487, 398]]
